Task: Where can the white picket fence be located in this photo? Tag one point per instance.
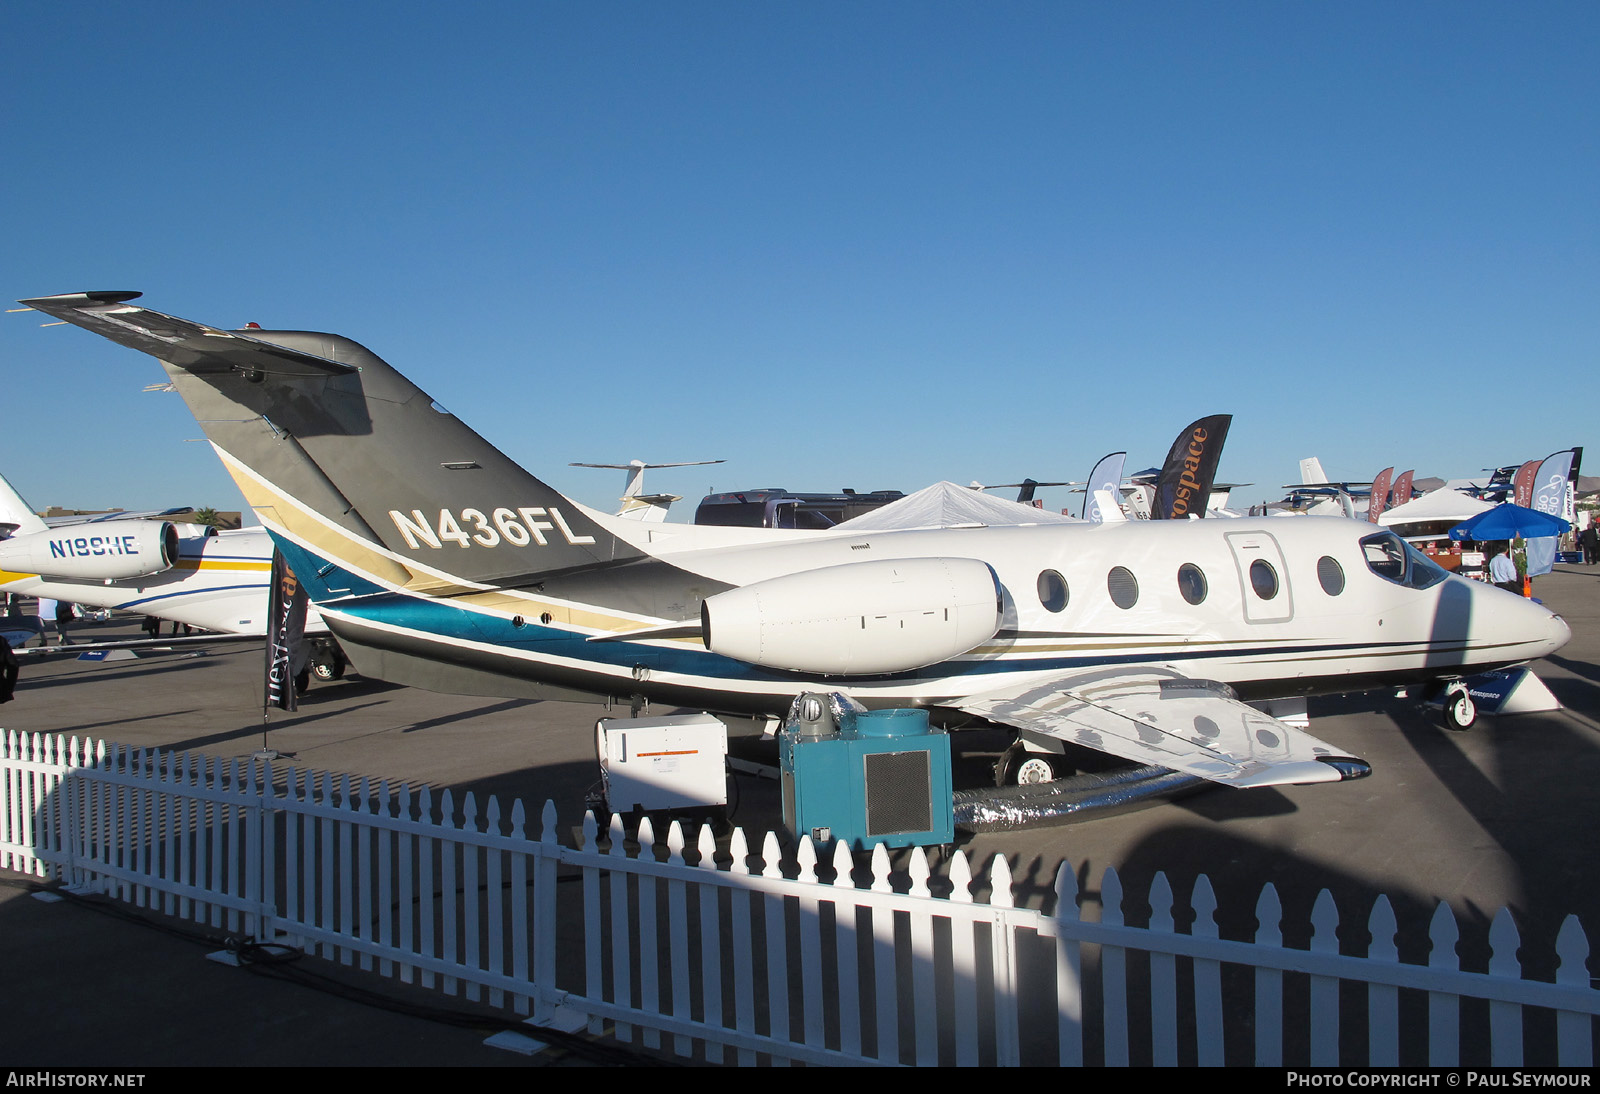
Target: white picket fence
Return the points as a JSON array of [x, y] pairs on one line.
[[712, 952]]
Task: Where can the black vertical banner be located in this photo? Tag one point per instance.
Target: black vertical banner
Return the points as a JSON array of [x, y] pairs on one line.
[[286, 629], [1191, 467]]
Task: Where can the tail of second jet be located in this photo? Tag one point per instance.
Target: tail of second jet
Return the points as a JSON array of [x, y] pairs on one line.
[[335, 448], [15, 516]]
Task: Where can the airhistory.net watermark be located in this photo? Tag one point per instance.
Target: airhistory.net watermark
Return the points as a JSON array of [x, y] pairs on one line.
[[47, 1079]]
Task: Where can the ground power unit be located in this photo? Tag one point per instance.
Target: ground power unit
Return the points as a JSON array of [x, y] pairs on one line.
[[866, 778], [673, 763]]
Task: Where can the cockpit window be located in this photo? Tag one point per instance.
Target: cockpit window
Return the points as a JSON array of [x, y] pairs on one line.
[[1393, 559]]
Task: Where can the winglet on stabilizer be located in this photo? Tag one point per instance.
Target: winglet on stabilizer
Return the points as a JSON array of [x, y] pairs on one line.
[[84, 299]]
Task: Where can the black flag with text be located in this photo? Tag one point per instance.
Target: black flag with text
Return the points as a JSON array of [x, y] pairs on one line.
[[286, 630], [1185, 484]]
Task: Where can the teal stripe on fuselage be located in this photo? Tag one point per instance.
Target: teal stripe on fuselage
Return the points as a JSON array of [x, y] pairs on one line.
[[323, 580], [437, 618], [330, 585]]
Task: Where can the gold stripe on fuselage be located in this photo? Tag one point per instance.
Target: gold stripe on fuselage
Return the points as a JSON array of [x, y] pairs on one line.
[[345, 549], [272, 505], [221, 564]]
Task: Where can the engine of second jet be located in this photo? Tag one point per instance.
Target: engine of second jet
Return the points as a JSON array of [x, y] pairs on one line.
[[112, 550], [861, 619]]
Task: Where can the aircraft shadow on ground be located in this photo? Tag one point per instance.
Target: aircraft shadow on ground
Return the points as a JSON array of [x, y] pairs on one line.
[[87, 726], [461, 716], [33, 682], [349, 686], [1585, 669], [1530, 782]]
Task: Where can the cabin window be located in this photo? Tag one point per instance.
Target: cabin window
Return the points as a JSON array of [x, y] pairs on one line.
[[1191, 583], [1263, 579], [1393, 559], [1123, 587], [1052, 591], [1331, 574]]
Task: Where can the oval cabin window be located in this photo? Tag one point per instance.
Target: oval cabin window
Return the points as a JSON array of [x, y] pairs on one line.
[[1331, 575], [1123, 587], [1191, 583], [1052, 591], [1263, 579]]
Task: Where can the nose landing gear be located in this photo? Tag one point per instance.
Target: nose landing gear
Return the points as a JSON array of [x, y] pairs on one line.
[[1460, 710]]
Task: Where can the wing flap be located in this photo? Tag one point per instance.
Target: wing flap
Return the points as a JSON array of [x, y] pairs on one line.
[[1158, 716]]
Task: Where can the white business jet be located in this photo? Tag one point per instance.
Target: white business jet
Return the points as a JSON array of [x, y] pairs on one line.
[[636, 504], [217, 582], [438, 562]]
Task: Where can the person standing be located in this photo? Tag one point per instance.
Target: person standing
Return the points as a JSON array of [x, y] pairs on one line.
[[9, 666], [1503, 571], [64, 616]]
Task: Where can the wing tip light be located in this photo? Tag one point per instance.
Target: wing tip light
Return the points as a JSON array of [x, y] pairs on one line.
[[1348, 767]]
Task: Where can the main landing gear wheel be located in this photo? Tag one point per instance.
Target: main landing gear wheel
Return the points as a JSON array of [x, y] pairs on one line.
[[328, 670], [1459, 710], [1019, 767]]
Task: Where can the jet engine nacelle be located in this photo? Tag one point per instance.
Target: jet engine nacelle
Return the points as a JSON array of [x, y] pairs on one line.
[[861, 619], [110, 550]]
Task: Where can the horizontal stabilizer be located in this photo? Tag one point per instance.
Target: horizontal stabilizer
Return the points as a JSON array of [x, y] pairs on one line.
[[335, 449], [181, 342]]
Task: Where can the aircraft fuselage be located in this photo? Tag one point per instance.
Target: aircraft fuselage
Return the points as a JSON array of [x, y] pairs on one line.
[[1187, 594]]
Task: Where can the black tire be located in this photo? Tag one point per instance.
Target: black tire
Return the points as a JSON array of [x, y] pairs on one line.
[[1460, 711], [1019, 767], [327, 670]]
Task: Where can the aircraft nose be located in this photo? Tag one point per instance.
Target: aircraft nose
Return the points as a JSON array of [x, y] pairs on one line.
[[1558, 634], [1534, 629], [1548, 630]]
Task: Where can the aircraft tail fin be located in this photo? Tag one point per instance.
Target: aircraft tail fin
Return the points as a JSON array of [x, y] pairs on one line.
[[15, 516], [1106, 508], [338, 451], [1311, 471]]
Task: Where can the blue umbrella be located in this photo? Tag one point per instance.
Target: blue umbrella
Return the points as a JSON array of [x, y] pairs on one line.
[[1507, 521]]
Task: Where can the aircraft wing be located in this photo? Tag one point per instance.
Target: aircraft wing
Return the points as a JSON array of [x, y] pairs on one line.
[[1156, 715], [150, 645]]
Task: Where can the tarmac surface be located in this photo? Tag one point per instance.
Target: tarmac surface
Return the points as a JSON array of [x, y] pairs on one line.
[[1502, 815]]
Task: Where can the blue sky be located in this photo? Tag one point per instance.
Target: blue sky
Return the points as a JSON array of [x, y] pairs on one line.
[[869, 245]]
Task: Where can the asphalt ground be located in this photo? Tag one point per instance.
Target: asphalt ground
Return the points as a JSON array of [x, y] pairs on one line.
[[1502, 815]]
